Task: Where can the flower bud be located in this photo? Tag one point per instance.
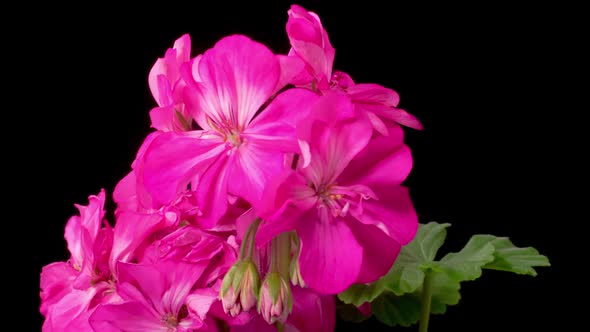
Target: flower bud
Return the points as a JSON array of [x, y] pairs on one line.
[[276, 301], [239, 289]]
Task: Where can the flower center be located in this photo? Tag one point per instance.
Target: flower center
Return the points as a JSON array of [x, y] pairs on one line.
[[233, 138], [170, 320], [330, 200], [230, 132]]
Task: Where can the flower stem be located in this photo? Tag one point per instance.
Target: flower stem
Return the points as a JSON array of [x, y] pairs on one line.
[[426, 301], [248, 242]]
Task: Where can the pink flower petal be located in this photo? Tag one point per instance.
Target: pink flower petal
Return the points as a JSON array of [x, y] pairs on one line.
[[312, 312], [331, 257], [126, 317], [369, 93], [254, 166], [131, 230], [173, 159], [212, 190], [310, 41], [125, 193], [379, 251], [384, 160], [239, 75], [393, 213], [292, 67], [56, 282]]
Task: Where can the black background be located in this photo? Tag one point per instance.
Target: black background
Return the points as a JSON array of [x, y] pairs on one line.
[[482, 80]]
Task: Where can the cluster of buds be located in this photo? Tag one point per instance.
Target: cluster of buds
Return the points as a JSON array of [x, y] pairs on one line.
[[241, 288]]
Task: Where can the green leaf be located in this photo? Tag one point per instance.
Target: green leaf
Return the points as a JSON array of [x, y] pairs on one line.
[[350, 312], [467, 263], [508, 257], [407, 274], [360, 293], [394, 310], [395, 298], [445, 291]]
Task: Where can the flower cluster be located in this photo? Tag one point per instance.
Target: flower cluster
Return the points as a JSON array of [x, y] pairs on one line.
[[270, 184]]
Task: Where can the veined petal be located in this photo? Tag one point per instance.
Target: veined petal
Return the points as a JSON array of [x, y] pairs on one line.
[[311, 312], [393, 213], [212, 189], [331, 257], [287, 199], [173, 159], [70, 314], [125, 193], [292, 69], [310, 41], [56, 282], [126, 317], [395, 114], [200, 301], [256, 324], [181, 279], [163, 118], [131, 230], [280, 118], [254, 166], [379, 251], [369, 93], [275, 128], [73, 235], [385, 160], [239, 74], [333, 147]]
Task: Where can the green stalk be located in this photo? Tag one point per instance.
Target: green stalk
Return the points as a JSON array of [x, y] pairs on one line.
[[284, 254], [248, 242], [426, 301]]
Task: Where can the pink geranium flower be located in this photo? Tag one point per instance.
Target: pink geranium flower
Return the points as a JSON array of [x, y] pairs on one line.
[[71, 290], [167, 86], [309, 40], [154, 297], [347, 205], [236, 152]]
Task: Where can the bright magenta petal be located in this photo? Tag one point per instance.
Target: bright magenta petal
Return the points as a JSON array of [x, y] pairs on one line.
[[379, 251], [395, 114], [275, 127], [238, 76], [56, 282], [212, 190], [331, 257], [126, 317], [200, 301], [385, 160], [334, 147], [393, 213], [287, 200], [173, 159], [254, 167], [373, 94], [311, 312], [131, 230], [310, 41], [292, 68]]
